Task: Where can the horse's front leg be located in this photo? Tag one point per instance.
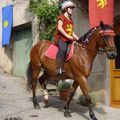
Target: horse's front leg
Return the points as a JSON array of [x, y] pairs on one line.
[[66, 107], [84, 88], [89, 104], [34, 83]]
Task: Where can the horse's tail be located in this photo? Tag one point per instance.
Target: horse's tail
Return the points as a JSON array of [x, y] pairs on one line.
[[29, 74]]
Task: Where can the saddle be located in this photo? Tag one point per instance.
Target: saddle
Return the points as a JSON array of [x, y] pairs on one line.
[[53, 50]]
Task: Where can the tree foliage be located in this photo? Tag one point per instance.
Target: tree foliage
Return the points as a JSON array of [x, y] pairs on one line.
[[46, 11]]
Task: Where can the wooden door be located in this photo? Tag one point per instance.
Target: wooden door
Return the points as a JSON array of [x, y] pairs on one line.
[[22, 47], [115, 77]]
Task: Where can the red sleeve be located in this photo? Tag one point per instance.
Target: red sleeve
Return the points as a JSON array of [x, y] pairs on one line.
[[60, 18]]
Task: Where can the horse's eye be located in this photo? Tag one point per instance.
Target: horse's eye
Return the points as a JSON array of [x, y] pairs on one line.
[[107, 36]]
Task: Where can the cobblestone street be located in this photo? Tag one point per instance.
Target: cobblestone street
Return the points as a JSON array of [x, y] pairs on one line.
[[15, 101]]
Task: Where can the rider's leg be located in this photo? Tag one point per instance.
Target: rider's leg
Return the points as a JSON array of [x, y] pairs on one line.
[[61, 56]]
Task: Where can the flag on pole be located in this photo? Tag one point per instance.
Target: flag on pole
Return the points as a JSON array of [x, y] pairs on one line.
[[7, 22], [101, 10]]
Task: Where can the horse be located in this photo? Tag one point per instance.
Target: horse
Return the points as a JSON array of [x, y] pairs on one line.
[[77, 68]]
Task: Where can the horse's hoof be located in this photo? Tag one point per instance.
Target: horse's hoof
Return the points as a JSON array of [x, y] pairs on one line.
[[45, 102], [46, 106], [93, 117], [37, 107], [67, 114]]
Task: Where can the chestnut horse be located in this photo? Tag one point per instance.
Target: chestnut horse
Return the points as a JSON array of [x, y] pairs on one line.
[[77, 68]]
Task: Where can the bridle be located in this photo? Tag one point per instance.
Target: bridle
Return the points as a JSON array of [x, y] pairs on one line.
[[104, 34]]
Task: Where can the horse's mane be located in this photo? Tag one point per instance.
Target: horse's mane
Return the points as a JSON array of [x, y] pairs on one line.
[[86, 37]]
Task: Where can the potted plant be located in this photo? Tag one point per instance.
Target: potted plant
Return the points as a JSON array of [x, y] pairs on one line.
[[64, 89], [81, 99]]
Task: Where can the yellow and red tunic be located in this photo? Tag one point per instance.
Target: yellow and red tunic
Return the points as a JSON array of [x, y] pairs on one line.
[[67, 26]]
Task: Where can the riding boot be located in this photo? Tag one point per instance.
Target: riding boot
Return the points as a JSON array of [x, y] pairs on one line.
[[60, 66]]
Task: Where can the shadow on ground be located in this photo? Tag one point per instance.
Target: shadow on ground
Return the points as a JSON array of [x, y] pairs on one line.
[[55, 102]]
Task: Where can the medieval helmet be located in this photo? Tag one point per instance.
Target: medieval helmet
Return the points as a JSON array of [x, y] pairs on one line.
[[67, 4]]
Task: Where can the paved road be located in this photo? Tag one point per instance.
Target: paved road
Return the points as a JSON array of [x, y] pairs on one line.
[[15, 101]]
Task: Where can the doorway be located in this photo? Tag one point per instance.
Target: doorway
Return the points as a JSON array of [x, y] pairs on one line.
[[21, 52]]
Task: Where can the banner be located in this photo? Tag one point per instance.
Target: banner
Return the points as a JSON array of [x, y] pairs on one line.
[[7, 22], [101, 10]]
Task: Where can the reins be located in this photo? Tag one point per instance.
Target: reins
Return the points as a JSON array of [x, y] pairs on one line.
[[100, 51], [90, 50]]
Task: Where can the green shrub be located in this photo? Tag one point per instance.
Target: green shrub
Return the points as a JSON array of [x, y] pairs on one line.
[[63, 85], [47, 12]]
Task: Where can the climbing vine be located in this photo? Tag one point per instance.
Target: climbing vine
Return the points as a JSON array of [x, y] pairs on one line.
[[46, 11]]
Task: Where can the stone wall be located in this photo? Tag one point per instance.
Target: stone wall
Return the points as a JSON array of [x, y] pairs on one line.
[[5, 62], [21, 16]]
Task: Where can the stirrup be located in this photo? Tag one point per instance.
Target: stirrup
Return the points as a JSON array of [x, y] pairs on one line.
[[60, 71]]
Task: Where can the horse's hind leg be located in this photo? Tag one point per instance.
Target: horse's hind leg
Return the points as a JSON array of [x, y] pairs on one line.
[[84, 88], [42, 81], [66, 107], [35, 73]]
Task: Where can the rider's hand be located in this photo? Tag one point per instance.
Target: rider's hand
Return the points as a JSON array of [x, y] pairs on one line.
[[70, 38]]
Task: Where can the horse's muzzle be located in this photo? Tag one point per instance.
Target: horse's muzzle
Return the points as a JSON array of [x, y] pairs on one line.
[[112, 54]]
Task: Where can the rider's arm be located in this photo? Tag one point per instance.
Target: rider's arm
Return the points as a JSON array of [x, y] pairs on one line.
[[75, 36], [60, 28]]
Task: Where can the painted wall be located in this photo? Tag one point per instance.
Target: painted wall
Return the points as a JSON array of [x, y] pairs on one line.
[[5, 62], [20, 17]]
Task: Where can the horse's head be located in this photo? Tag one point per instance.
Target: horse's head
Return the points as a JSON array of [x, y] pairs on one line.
[[106, 40]]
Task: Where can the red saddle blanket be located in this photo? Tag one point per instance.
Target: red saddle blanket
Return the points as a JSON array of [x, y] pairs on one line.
[[53, 49]]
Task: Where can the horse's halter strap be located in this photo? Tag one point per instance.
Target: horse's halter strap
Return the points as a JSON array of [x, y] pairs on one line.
[[103, 33], [107, 33]]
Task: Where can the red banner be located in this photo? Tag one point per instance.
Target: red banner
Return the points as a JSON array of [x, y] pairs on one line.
[[101, 10]]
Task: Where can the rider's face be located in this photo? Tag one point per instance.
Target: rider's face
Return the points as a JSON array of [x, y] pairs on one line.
[[70, 10]]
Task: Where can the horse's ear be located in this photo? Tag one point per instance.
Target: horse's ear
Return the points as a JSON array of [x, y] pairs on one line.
[[101, 24]]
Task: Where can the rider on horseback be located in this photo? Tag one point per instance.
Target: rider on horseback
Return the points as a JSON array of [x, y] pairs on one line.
[[65, 34]]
